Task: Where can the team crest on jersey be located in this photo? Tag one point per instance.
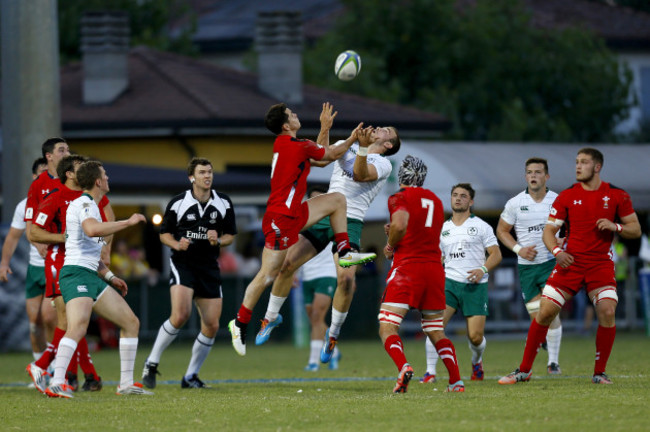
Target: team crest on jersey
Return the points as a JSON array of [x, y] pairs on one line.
[[191, 217], [445, 233], [606, 202], [214, 215], [523, 208], [82, 288], [28, 213], [472, 231], [553, 211]]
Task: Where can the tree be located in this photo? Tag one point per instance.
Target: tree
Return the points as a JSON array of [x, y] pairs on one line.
[[149, 20], [485, 67]]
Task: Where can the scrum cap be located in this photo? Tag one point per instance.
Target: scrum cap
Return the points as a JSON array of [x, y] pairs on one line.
[[412, 172]]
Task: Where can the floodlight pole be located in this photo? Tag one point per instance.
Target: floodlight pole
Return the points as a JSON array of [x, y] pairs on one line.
[[31, 95]]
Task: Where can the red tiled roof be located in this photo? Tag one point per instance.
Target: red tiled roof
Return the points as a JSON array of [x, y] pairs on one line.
[[167, 89]]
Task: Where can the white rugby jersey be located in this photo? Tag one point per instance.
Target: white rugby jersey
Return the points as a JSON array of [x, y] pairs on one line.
[[359, 195], [464, 247], [18, 222], [81, 250], [320, 266], [529, 218]]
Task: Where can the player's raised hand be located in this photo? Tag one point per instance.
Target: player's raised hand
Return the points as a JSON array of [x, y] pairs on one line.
[[136, 218], [327, 116], [364, 136], [528, 253]]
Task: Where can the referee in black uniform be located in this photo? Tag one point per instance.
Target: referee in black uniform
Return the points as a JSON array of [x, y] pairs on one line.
[[197, 223]]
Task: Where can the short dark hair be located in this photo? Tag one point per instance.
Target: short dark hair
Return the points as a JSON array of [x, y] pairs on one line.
[[596, 155], [67, 164], [396, 142], [467, 186], [88, 173], [316, 188], [538, 160], [50, 143], [38, 162], [191, 166], [275, 117]]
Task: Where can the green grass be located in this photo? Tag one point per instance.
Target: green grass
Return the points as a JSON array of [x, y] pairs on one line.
[[241, 399]]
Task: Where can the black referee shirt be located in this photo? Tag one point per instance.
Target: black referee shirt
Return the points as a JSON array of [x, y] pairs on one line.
[[186, 217]]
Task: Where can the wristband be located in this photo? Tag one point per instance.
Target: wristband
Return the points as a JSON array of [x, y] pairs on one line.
[[389, 248], [363, 151], [516, 249], [484, 269], [109, 276], [219, 242], [556, 250], [619, 227]]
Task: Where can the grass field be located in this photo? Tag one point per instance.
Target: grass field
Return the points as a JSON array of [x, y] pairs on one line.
[[268, 390]]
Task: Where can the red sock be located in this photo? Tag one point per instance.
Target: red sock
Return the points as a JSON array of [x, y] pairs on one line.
[[342, 242], [244, 315], [604, 343], [447, 353], [85, 361], [74, 362], [48, 355], [536, 336], [395, 350]]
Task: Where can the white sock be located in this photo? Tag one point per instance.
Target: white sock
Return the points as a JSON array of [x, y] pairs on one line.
[[166, 335], [273, 308], [553, 340], [128, 350], [432, 356], [200, 351], [338, 318], [64, 354], [477, 351], [314, 350], [37, 355]]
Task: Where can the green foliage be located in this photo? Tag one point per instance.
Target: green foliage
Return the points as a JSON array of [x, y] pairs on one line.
[[484, 67], [357, 397], [641, 5], [149, 20]]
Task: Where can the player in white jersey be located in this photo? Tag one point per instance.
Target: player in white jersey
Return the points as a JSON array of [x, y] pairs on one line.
[[527, 213], [318, 280], [359, 175], [41, 314], [465, 241], [83, 288]]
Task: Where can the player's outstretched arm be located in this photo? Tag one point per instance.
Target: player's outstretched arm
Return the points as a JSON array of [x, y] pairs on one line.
[[362, 171], [327, 116], [335, 152], [94, 228]]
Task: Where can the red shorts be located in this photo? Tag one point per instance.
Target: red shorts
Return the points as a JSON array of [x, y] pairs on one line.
[[591, 274], [281, 231], [420, 285], [52, 281]]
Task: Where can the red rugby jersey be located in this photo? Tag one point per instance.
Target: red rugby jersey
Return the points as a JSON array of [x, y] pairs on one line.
[[580, 209], [289, 172], [421, 243], [42, 186]]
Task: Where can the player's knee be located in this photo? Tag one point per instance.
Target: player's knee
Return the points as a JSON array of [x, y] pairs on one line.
[[476, 338], [346, 283], [210, 329], [180, 317], [337, 198], [132, 326]]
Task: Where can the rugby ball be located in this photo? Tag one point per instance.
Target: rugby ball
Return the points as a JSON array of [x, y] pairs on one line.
[[347, 66]]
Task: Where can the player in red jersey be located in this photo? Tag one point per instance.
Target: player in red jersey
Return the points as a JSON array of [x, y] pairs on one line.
[[416, 278], [49, 228], [593, 211], [286, 214]]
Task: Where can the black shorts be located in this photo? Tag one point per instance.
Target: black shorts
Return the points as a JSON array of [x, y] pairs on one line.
[[204, 280]]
